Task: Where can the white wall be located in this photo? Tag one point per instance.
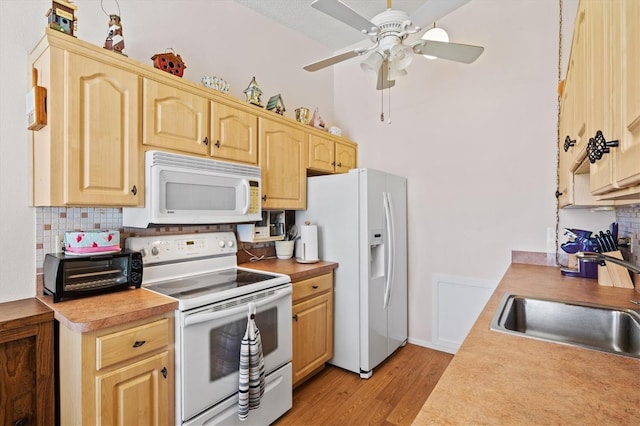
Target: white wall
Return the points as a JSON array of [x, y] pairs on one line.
[[213, 37], [477, 143]]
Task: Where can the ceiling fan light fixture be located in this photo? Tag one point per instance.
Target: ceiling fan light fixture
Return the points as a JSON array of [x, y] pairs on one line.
[[400, 56], [435, 34], [396, 73], [371, 65]]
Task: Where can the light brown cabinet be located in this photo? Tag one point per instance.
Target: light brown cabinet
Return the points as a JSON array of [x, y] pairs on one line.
[[174, 119], [118, 375], [331, 156], [312, 325], [283, 159], [88, 152], [235, 134], [26, 363], [600, 108]]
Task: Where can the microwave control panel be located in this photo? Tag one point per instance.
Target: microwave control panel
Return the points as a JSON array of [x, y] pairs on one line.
[[254, 197], [168, 248]]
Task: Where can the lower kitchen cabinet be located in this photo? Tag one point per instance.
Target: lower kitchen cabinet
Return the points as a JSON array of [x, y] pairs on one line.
[[312, 326], [120, 375], [26, 363]]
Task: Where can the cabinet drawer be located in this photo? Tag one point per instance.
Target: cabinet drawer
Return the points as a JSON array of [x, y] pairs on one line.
[[124, 345], [312, 286]]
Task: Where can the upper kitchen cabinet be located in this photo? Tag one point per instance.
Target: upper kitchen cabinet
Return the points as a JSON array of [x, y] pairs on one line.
[[235, 134], [614, 120], [88, 152], [331, 156], [283, 159], [174, 119]]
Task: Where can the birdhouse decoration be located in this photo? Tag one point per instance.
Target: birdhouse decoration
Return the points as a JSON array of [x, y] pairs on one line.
[[169, 62], [276, 104], [61, 17], [115, 40], [253, 93]]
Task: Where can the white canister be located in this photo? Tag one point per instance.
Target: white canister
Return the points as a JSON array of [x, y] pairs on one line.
[[307, 244]]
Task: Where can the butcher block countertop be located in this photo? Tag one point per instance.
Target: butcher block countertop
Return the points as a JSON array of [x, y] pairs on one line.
[[497, 378], [106, 310], [297, 271]]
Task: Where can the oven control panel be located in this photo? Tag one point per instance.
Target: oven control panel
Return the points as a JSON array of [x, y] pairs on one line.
[[166, 248]]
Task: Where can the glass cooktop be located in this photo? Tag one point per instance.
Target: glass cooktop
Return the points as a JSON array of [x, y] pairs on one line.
[[199, 285]]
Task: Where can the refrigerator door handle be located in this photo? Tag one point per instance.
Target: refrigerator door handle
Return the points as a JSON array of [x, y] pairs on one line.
[[390, 248]]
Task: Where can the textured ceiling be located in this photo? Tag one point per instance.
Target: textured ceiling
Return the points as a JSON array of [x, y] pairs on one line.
[[300, 16]]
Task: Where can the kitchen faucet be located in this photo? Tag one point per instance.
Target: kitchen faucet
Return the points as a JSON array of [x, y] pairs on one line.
[[603, 258]]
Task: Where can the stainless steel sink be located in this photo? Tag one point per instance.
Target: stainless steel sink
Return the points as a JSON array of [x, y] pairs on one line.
[[601, 328]]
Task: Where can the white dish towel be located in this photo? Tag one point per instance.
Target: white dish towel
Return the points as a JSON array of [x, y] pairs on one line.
[[251, 382]]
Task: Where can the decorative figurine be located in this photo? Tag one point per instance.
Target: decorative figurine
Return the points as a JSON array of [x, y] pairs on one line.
[[61, 17], [253, 93], [216, 83], [277, 104], [169, 62], [317, 121], [302, 115], [115, 40]]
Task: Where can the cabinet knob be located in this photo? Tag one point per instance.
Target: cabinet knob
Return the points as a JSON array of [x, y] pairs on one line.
[[315, 287], [333, 163], [558, 194], [206, 141], [139, 343], [134, 190], [264, 197], [21, 422], [340, 164], [217, 144], [164, 372], [568, 143], [598, 146], [295, 317]]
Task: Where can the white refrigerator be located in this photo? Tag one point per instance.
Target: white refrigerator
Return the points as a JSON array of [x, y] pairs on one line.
[[362, 224]]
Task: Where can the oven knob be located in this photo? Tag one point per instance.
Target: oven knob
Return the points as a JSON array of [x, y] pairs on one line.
[[154, 250], [221, 244], [230, 243]]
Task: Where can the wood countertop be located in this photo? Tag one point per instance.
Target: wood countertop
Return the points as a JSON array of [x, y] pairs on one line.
[[106, 310], [19, 313], [497, 378], [297, 271]]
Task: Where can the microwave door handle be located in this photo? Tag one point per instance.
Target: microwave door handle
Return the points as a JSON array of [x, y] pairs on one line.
[[199, 318], [247, 200]]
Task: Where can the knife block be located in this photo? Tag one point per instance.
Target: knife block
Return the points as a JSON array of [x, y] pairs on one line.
[[613, 275]]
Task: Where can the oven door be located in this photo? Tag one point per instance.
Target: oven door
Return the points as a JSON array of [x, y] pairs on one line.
[[209, 349]]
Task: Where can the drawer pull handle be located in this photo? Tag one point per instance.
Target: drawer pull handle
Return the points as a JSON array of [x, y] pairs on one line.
[[314, 287], [164, 372], [139, 343]]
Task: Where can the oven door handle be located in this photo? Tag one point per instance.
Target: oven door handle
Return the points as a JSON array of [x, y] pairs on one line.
[[204, 317]]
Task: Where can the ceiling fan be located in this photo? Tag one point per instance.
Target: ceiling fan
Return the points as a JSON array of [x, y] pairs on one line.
[[389, 30]]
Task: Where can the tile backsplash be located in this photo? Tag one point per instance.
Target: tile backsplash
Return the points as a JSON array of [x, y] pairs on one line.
[[628, 219]]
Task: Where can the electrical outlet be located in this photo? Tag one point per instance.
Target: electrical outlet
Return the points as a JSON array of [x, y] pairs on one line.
[[59, 243]]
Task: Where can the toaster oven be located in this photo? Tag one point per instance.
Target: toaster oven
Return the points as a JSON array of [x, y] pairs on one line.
[[69, 276]]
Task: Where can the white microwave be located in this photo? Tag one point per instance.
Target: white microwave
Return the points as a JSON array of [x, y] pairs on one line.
[[185, 190]]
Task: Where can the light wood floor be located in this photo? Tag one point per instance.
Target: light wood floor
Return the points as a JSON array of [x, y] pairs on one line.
[[392, 396]]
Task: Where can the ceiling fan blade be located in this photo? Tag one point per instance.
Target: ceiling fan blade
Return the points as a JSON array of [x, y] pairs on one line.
[[344, 13], [465, 53], [383, 77], [334, 60], [433, 10]]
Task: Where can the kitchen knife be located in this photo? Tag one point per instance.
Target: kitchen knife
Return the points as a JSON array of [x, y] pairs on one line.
[[605, 243], [612, 241]]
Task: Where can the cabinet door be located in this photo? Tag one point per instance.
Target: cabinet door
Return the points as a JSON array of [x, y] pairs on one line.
[[312, 335], [283, 161], [101, 105], [137, 394], [346, 157], [174, 119], [627, 155], [321, 154], [235, 134], [603, 23]]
